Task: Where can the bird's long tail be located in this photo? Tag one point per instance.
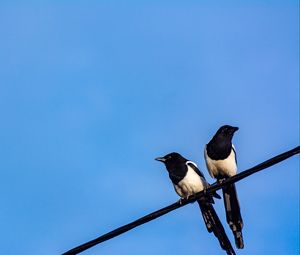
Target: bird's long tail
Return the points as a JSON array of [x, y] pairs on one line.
[[213, 224], [233, 214]]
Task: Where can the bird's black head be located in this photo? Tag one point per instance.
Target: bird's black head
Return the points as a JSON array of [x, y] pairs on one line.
[[171, 160], [226, 131]]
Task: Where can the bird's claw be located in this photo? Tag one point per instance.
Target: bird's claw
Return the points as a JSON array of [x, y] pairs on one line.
[[221, 180], [180, 201]]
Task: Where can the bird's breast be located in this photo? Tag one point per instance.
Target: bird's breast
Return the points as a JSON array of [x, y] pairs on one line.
[[224, 167], [190, 184]]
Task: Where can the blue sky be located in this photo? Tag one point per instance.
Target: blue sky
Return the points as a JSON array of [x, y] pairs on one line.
[[92, 91]]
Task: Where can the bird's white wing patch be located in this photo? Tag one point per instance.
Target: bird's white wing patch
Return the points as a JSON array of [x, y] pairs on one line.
[[191, 162]]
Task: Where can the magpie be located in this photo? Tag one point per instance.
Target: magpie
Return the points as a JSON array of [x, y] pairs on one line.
[[188, 180], [220, 157]]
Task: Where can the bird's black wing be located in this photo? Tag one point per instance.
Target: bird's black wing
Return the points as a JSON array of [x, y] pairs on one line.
[[234, 153]]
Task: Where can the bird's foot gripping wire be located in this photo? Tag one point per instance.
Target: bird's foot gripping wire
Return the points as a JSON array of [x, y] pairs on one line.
[[204, 191], [184, 199], [181, 200], [221, 180]]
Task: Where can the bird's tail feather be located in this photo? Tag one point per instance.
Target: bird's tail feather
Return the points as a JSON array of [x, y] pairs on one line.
[[233, 214], [213, 224]]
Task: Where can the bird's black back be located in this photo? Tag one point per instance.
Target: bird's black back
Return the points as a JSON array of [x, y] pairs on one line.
[[219, 148], [220, 145]]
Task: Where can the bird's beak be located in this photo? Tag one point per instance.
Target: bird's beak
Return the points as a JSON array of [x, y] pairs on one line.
[[232, 130], [235, 129], [161, 159]]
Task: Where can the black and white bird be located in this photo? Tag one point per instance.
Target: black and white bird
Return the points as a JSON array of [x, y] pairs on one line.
[[188, 180], [220, 157]]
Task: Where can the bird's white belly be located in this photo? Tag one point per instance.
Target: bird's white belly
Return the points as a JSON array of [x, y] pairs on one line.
[[226, 167], [190, 184]]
